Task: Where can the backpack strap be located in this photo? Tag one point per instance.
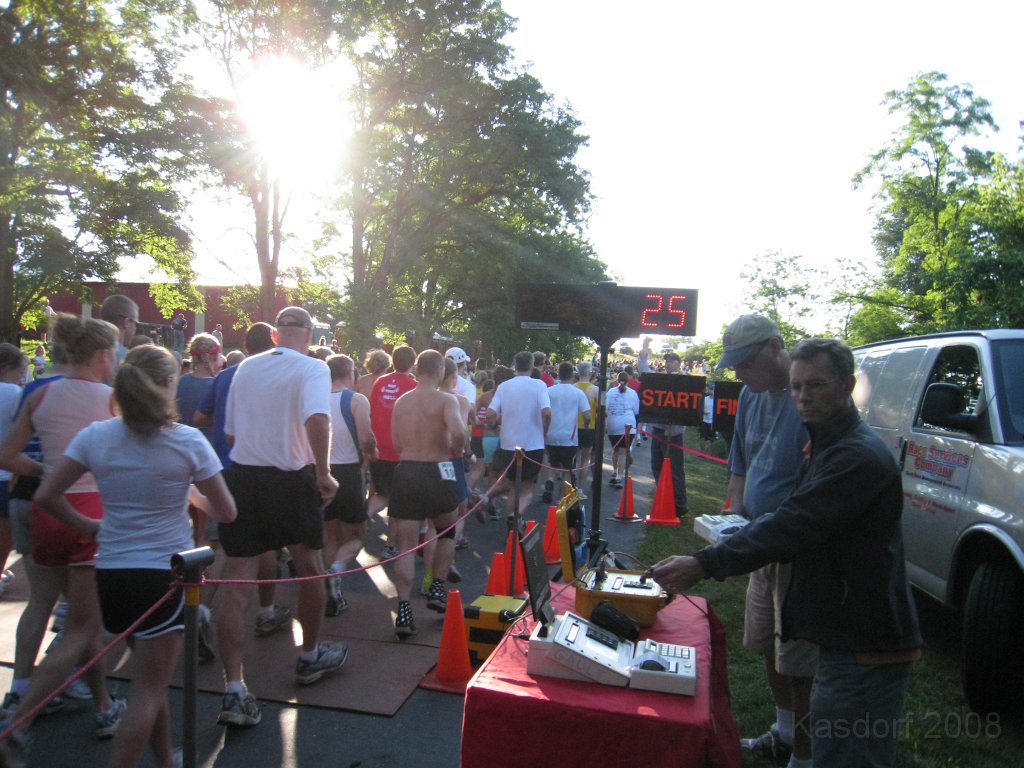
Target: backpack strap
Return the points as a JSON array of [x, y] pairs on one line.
[[345, 403]]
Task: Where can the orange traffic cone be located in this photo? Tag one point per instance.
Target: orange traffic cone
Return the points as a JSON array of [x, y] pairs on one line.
[[518, 585], [664, 510], [497, 579], [453, 669], [552, 550], [626, 513], [728, 504]]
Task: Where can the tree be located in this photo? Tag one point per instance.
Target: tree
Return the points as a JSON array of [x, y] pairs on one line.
[[996, 273], [462, 174], [87, 160], [786, 289], [931, 181], [243, 34]]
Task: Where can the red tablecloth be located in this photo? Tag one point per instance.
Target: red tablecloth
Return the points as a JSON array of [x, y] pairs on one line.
[[513, 719]]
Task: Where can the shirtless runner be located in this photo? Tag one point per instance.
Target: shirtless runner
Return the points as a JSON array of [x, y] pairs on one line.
[[427, 428]]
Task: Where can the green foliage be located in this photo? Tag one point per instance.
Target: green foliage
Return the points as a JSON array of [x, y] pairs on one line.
[[170, 297], [243, 303], [89, 91], [783, 287], [462, 173], [932, 229]]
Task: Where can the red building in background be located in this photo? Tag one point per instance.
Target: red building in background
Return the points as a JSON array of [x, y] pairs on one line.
[[150, 318]]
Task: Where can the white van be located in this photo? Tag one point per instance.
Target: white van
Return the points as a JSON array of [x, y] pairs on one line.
[[951, 408]]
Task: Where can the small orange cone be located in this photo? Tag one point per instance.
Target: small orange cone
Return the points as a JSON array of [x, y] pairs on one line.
[[728, 504], [626, 513], [518, 585], [552, 551], [664, 510], [497, 579], [453, 669]]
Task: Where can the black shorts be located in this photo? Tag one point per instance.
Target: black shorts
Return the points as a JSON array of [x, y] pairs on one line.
[[706, 431], [127, 593], [349, 504], [531, 464], [381, 473], [587, 437], [420, 491], [617, 441], [476, 446], [562, 456], [276, 507]]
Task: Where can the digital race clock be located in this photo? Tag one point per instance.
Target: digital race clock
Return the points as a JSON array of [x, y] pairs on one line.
[[606, 310]]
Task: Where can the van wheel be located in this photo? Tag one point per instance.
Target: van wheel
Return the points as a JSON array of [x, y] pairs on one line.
[[992, 667]]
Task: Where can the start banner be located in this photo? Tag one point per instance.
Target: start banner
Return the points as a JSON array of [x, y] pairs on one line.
[[671, 399]]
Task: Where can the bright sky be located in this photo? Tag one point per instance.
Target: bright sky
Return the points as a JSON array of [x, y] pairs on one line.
[[721, 132], [724, 131]]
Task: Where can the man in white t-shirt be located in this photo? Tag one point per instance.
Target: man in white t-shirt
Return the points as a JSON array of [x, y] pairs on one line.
[[568, 406], [463, 386], [278, 417], [522, 406]]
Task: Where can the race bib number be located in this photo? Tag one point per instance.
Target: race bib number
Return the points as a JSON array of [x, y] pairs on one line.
[[447, 470]]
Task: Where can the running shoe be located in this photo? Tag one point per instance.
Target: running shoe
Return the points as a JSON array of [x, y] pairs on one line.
[[5, 579], [329, 658], [58, 617], [549, 486], [404, 626], [205, 648], [267, 625], [336, 602], [769, 745], [106, 722], [239, 711], [12, 700], [492, 510], [79, 690], [438, 598], [454, 576]]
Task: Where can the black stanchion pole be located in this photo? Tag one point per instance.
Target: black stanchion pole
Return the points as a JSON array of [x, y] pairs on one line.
[[594, 540], [516, 520], [190, 565]]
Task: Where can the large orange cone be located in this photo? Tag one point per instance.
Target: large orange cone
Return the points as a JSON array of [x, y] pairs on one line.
[[453, 669], [664, 510], [552, 552], [626, 513], [497, 579], [518, 585]]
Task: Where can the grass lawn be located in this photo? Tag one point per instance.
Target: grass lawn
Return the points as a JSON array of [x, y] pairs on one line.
[[938, 728]]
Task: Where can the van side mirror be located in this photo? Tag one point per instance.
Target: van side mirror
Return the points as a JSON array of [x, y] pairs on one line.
[[943, 407]]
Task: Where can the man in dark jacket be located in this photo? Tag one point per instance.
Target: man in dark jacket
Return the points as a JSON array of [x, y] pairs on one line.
[[849, 593]]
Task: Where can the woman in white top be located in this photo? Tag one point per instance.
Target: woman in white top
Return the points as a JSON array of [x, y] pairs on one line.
[[144, 464], [56, 412], [622, 407]]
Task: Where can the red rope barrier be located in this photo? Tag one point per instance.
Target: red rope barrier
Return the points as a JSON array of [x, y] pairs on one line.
[[31, 714]]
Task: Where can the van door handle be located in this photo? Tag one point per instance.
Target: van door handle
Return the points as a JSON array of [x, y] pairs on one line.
[[903, 452]]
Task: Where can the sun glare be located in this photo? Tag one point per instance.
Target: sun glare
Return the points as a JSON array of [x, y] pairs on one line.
[[297, 118]]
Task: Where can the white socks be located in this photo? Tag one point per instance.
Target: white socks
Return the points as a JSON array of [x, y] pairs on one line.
[[784, 724]]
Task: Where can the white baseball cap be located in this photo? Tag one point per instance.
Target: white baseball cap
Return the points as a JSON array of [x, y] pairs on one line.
[[457, 354]]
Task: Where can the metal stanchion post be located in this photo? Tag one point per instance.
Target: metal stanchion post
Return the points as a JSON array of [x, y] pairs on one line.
[[190, 565], [516, 519]]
